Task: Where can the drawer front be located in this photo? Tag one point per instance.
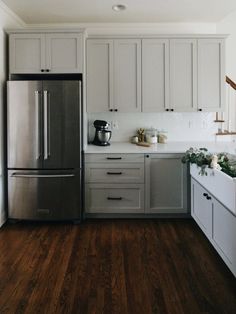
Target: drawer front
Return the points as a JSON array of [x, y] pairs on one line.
[[111, 158], [113, 173], [114, 198]]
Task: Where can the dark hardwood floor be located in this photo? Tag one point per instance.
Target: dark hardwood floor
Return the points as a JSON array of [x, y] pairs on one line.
[[112, 266]]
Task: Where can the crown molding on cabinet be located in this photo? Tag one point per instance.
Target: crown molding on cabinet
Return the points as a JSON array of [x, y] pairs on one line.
[[197, 36]]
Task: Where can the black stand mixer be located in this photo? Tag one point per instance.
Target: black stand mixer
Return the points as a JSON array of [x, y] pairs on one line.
[[102, 134]]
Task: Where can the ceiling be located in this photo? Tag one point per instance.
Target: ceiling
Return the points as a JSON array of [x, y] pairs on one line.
[[100, 11]]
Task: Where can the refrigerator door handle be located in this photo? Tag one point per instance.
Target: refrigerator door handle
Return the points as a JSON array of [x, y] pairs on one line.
[[37, 124], [27, 175], [45, 125]]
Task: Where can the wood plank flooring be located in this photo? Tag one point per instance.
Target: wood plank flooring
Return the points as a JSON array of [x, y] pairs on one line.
[[114, 267]]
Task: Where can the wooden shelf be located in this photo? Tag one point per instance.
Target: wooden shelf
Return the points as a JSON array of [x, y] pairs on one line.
[[226, 133]]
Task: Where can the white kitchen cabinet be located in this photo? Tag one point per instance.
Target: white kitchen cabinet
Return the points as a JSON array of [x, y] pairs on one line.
[[211, 74], [216, 221], [224, 234], [165, 184], [114, 183], [201, 207], [183, 75], [46, 53], [27, 53], [155, 75], [99, 75], [114, 75]]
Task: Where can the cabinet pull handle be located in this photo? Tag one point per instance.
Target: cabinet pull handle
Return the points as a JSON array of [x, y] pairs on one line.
[[114, 172], [114, 198], [208, 197], [114, 158], [205, 194]]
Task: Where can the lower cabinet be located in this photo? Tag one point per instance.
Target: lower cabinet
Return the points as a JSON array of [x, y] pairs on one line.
[[114, 183], [224, 234], [115, 198], [216, 221], [165, 184], [135, 183], [201, 207]]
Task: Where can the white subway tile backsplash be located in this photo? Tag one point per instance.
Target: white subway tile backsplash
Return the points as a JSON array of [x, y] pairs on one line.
[[180, 126]]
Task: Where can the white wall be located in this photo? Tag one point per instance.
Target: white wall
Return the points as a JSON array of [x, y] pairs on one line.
[[7, 20], [228, 26]]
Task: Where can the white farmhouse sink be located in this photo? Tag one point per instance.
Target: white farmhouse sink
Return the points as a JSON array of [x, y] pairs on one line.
[[219, 184]]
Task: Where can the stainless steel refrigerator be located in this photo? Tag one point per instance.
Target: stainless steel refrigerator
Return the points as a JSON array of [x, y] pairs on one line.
[[44, 139]]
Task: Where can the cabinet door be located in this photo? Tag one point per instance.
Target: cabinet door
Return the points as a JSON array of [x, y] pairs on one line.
[[165, 184], [155, 75], [224, 234], [201, 207], [99, 75], [211, 74], [64, 53], [127, 75], [183, 62], [27, 53]]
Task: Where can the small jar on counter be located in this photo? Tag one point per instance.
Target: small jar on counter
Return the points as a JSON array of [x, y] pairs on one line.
[[162, 137], [151, 135]]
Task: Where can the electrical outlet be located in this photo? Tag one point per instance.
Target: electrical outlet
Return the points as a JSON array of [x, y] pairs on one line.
[[114, 125]]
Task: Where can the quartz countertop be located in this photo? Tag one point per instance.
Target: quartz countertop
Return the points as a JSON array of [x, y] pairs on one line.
[[168, 148]]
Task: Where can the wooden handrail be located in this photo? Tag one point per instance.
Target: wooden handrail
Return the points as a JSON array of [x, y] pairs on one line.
[[230, 82]]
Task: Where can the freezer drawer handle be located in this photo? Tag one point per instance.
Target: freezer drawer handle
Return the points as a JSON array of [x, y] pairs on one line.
[[24, 175], [114, 198], [114, 172], [114, 158]]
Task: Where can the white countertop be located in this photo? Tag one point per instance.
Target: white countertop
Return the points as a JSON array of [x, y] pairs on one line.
[[168, 148]]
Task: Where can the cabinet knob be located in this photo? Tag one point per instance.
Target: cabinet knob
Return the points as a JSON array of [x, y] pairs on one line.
[[208, 197], [111, 110], [205, 194], [116, 110], [171, 109], [42, 70], [47, 70], [167, 109], [199, 109], [147, 156]]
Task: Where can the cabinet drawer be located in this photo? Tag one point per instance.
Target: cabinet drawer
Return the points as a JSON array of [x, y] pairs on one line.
[[113, 173], [111, 158], [114, 198]]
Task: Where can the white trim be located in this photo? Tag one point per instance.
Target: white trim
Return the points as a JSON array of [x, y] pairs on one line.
[[8, 11]]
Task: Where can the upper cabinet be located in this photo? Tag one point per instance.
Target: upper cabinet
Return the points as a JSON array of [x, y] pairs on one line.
[[155, 74], [114, 75], [46, 53], [211, 74], [183, 75]]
